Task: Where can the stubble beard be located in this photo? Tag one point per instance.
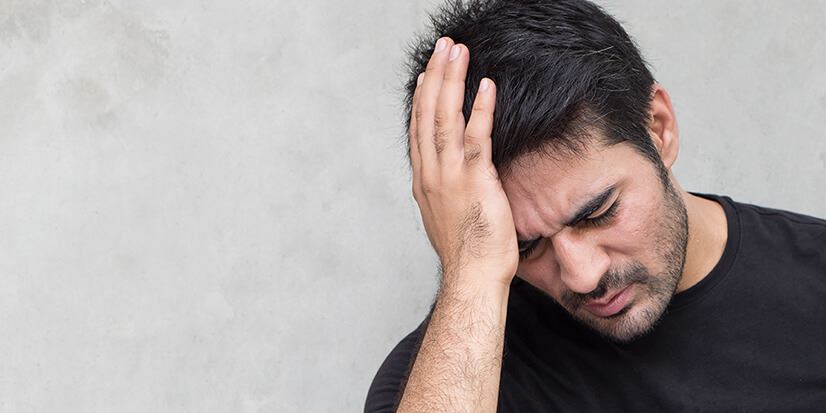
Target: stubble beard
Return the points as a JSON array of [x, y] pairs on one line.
[[653, 292]]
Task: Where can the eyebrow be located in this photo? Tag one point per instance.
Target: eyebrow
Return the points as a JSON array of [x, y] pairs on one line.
[[591, 206], [583, 212]]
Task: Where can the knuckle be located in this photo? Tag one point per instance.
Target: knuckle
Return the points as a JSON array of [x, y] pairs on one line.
[[442, 133], [480, 111], [440, 138], [427, 188], [417, 114], [441, 119], [471, 138], [472, 152]]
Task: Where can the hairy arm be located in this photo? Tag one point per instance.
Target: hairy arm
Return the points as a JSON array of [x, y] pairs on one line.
[[468, 220], [458, 365]]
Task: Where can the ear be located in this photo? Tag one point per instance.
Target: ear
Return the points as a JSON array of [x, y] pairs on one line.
[[663, 125]]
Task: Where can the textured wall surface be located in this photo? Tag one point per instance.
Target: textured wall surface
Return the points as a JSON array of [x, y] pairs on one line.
[[205, 207]]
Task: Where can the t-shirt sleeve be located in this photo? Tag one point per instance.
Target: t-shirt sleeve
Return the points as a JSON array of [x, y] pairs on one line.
[[388, 384]]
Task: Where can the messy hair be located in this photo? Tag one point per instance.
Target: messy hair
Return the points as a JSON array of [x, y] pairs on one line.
[[567, 75]]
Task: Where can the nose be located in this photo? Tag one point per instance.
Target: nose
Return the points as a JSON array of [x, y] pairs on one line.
[[581, 263]]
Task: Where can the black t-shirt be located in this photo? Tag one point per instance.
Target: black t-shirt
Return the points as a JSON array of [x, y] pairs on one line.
[[750, 336]]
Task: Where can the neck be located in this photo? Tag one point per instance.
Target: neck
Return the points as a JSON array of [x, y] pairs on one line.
[[707, 236]]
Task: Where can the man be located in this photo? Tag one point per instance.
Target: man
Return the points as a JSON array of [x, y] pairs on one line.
[[577, 274]]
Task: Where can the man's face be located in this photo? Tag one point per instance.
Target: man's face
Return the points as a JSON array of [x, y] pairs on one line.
[[616, 269]]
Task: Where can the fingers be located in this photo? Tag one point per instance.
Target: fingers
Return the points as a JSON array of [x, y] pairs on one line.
[[431, 142], [440, 141], [449, 120], [480, 125]]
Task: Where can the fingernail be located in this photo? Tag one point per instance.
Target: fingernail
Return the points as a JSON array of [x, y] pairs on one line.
[[484, 85], [440, 45], [419, 79], [454, 52]]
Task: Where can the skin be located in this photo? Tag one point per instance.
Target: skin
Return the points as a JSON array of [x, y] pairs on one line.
[[473, 220], [641, 243]]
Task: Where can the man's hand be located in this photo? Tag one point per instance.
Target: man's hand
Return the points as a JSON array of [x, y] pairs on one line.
[[468, 220], [464, 209]]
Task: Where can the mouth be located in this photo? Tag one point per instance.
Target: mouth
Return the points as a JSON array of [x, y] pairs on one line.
[[611, 304]]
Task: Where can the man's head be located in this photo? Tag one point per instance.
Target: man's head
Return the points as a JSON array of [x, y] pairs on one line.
[[579, 126], [563, 69]]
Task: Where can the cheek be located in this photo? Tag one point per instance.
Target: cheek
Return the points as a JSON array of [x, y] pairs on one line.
[[633, 235]]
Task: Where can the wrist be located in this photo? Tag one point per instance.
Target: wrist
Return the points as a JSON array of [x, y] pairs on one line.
[[472, 304], [475, 280]]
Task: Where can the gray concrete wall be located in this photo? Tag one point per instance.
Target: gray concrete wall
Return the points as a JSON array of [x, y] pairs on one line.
[[204, 207]]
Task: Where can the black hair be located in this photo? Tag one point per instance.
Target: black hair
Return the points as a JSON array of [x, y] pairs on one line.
[[566, 73]]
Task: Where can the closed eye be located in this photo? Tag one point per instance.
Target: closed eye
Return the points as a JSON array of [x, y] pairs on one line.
[[604, 218], [526, 248]]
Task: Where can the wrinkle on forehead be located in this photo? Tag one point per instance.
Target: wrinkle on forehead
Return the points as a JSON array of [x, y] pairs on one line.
[[543, 191]]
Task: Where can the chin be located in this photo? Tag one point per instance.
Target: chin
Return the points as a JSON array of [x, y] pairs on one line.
[[631, 323]]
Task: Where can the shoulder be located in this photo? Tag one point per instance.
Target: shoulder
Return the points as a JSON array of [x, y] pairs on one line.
[[782, 223], [388, 383], [758, 219], [781, 214], [777, 235]]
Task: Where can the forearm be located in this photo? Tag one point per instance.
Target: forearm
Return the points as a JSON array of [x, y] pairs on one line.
[[459, 362], [468, 220]]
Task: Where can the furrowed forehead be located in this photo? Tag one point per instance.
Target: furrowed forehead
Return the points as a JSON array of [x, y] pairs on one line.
[[546, 195]]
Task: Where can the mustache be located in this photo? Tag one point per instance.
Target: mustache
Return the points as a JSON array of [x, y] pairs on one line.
[[612, 280]]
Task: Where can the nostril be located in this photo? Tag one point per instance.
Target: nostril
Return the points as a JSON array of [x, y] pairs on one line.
[[582, 284]]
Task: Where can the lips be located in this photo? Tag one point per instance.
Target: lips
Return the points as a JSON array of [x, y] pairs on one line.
[[612, 304]]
